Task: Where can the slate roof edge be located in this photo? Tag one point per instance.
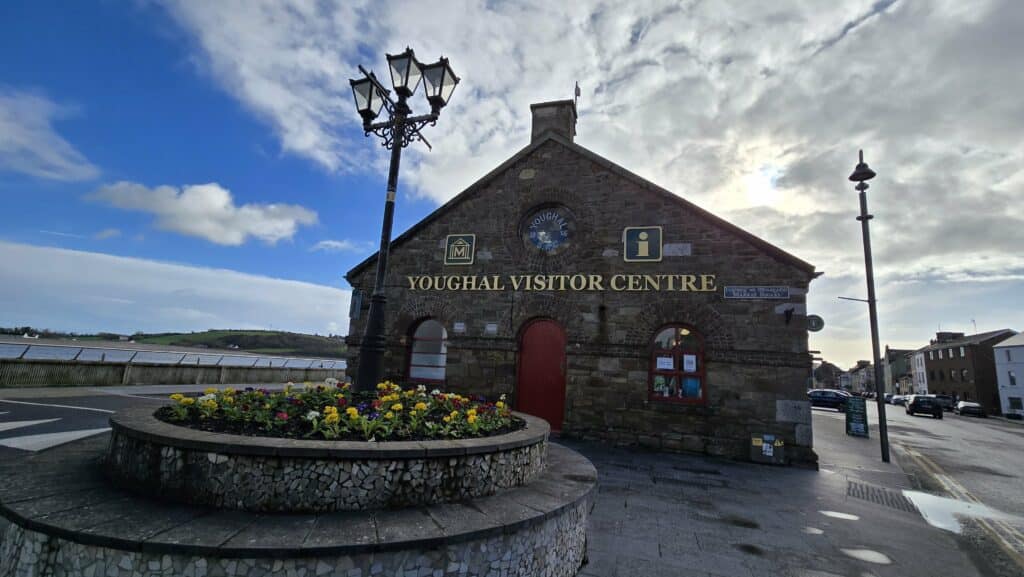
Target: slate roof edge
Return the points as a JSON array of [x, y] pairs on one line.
[[975, 339], [757, 241]]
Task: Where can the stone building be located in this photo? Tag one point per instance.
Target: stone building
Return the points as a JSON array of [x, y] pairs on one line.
[[601, 302]]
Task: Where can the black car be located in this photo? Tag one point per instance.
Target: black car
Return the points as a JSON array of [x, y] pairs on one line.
[[830, 398], [924, 404], [947, 402]]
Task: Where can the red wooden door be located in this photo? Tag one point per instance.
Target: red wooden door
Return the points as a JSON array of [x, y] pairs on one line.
[[541, 387]]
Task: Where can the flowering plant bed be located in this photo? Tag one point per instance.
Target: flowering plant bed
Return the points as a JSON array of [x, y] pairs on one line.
[[332, 411]]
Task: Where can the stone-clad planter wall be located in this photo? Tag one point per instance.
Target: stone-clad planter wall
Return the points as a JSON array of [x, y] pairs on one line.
[[553, 548], [283, 475], [60, 517]]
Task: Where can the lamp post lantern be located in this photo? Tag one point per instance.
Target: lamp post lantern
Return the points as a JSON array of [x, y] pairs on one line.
[[861, 174], [398, 131]]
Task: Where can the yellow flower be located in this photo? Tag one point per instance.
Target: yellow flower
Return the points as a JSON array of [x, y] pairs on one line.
[[471, 413], [412, 413], [330, 410], [471, 419], [332, 418], [352, 412], [500, 405], [382, 386], [447, 418], [389, 415], [188, 401], [177, 397], [396, 407], [409, 393], [229, 391], [421, 406], [210, 391], [453, 414], [209, 404], [228, 400]]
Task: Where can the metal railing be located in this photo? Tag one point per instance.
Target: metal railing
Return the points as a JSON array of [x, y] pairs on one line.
[[76, 353]]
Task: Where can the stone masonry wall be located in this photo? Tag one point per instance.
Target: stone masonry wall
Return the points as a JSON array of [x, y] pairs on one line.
[[298, 484], [552, 548], [757, 358]]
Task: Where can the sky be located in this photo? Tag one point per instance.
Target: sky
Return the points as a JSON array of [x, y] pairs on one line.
[[186, 165]]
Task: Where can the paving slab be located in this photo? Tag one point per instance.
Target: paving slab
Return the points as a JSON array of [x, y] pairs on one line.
[[682, 515]]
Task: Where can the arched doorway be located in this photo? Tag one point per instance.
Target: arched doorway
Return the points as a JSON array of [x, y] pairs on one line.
[[540, 390]]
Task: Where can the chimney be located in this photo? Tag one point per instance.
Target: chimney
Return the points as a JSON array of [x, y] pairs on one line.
[[558, 117]]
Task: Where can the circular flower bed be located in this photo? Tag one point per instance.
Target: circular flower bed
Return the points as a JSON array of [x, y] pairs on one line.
[[332, 411]]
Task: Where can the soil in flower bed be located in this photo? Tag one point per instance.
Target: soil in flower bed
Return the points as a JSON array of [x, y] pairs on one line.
[[295, 429]]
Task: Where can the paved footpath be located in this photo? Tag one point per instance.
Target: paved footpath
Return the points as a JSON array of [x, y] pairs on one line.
[[681, 515], [676, 515]]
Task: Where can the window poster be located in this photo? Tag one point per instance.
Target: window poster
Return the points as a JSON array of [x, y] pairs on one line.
[[690, 363], [665, 364], [690, 388]]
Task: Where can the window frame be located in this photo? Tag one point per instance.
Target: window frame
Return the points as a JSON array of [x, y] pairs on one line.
[[412, 350], [680, 374]]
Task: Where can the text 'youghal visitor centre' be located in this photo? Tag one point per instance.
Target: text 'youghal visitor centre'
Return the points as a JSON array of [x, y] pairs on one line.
[[607, 305]]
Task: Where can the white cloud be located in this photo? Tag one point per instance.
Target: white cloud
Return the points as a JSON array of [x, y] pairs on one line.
[[30, 145], [107, 233], [752, 110], [208, 211], [344, 245], [124, 295], [63, 234]]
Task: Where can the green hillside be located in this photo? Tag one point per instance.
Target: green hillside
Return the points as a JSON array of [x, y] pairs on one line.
[[262, 342]]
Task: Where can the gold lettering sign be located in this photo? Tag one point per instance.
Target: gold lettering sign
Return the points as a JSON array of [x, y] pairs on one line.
[[565, 282]]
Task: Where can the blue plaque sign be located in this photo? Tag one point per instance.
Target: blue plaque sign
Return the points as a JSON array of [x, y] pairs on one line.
[[757, 292]]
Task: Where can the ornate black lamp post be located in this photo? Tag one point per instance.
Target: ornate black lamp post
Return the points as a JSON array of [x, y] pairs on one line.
[[861, 174], [397, 131]]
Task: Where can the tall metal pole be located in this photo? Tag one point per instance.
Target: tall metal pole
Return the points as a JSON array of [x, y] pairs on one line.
[[862, 187], [371, 350]]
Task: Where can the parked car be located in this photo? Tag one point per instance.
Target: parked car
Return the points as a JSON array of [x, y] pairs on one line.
[[888, 398], [899, 399], [947, 402], [830, 398], [968, 408], [924, 404]]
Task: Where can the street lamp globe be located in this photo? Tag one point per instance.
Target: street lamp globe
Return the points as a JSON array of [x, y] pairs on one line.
[[862, 172], [438, 82], [405, 72], [369, 99]]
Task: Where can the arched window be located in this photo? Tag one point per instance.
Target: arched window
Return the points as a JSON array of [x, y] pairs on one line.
[[428, 353], [677, 366]]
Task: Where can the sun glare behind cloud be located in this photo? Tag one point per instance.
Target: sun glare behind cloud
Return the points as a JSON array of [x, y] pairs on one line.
[[760, 186]]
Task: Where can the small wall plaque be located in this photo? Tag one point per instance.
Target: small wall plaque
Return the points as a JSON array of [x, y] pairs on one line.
[[459, 327], [757, 292], [459, 249], [641, 244], [491, 329]]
